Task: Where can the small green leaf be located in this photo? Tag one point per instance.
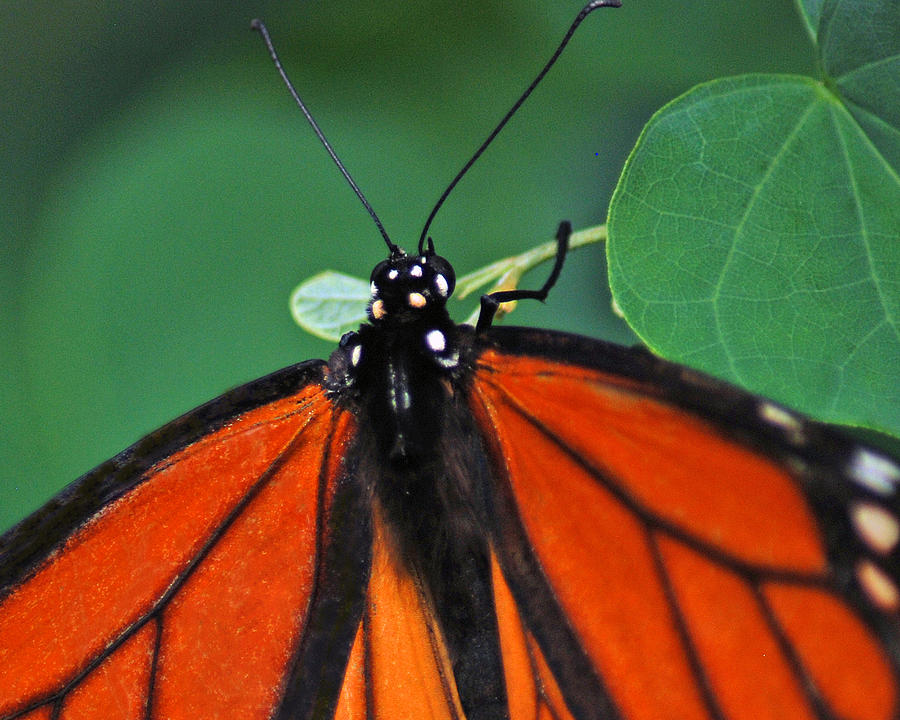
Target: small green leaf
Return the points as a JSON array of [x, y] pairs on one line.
[[330, 304], [755, 232]]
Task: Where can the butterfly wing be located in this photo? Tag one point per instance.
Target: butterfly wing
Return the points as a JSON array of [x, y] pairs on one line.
[[664, 546], [400, 666], [678, 548], [175, 579], [228, 565]]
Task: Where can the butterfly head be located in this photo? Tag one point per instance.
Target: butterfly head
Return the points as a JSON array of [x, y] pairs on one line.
[[405, 287]]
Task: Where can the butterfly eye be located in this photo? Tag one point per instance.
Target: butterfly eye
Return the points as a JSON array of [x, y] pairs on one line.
[[381, 271], [355, 355], [441, 286], [444, 278]]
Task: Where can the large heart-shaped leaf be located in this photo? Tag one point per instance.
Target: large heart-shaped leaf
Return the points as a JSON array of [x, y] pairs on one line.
[[755, 232]]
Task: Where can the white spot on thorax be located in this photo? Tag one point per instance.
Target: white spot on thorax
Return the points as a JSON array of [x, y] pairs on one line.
[[448, 361], [436, 341], [416, 271]]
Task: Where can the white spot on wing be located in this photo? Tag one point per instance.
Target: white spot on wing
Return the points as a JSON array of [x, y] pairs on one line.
[[780, 417], [873, 471], [877, 527], [880, 589]]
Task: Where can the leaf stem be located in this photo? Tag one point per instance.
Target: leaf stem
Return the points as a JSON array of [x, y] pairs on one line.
[[507, 272]]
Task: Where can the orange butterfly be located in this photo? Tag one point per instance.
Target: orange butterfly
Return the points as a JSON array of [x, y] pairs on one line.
[[454, 522]]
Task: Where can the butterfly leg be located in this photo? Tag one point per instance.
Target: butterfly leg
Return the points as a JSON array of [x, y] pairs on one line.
[[492, 301]]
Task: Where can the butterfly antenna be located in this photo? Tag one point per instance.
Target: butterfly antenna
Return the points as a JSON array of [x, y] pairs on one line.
[[261, 29], [586, 10]]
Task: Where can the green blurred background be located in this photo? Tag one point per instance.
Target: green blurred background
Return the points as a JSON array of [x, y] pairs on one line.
[[161, 196]]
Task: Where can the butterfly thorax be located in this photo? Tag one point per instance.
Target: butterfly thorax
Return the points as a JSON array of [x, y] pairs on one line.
[[400, 363]]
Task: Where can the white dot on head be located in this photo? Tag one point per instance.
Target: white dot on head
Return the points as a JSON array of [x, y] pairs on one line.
[[440, 284], [880, 589], [874, 472], [416, 300], [436, 341], [355, 355], [416, 271], [378, 309], [877, 527], [392, 274]]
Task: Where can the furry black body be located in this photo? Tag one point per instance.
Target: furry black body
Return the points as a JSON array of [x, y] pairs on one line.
[[405, 376]]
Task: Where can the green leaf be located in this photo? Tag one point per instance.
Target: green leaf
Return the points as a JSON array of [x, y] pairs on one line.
[[330, 304], [755, 232], [859, 46], [811, 10]]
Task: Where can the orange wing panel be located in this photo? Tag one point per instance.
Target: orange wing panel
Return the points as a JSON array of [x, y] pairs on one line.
[[408, 666], [352, 699], [641, 516], [521, 685], [745, 667], [117, 569], [841, 655], [552, 704], [118, 687], [632, 438], [237, 618], [42, 713], [530, 686], [598, 559]]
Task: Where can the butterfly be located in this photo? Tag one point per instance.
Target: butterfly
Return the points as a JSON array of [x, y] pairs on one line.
[[445, 521]]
